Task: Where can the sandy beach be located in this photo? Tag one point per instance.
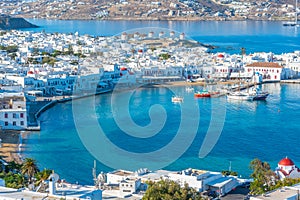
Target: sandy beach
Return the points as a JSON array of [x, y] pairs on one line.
[[10, 145]]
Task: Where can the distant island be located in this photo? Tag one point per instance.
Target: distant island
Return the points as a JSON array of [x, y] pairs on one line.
[[7, 22], [183, 10]]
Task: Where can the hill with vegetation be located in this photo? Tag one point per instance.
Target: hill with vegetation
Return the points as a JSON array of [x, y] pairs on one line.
[[7, 22]]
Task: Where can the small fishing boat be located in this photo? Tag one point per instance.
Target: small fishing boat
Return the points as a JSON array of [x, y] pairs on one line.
[[177, 99], [202, 93]]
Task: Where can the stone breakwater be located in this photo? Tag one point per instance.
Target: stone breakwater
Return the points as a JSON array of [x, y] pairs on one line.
[[36, 108]]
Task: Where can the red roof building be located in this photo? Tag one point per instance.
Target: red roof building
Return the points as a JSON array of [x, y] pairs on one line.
[[269, 71], [287, 169], [286, 162]]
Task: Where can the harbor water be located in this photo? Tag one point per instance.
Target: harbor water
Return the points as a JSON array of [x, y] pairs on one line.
[[267, 130]]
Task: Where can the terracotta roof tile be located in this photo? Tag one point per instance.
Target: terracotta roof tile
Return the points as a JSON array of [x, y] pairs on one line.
[[264, 64]]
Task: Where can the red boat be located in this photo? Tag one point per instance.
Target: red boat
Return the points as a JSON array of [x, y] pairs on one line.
[[203, 93]]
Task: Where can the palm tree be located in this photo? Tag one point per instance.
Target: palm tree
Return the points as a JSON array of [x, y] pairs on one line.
[[29, 168], [42, 176]]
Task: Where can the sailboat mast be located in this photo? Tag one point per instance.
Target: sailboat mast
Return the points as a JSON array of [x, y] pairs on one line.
[[296, 13]]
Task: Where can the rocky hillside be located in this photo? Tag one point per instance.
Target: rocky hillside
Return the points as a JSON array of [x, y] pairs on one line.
[[7, 22], [152, 9]]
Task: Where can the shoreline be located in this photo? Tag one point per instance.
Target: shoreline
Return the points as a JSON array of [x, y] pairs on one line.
[[174, 19], [11, 145]]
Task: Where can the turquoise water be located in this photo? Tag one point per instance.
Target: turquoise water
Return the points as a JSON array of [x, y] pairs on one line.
[[264, 129], [229, 36], [267, 130]]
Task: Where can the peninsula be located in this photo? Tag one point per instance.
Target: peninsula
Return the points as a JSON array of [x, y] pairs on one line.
[[8, 22]]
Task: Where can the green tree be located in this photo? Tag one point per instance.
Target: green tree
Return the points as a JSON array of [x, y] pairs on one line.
[[14, 180], [9, 49], [166, 189], [229, 173], [29, 168], [13, 167], [164, 56], [42, 176], [264, 178]]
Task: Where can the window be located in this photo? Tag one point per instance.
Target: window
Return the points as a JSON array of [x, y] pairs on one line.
[[6, 115], [22, 115], [14, 115], [5, 123], [22, 123], [14, 123]]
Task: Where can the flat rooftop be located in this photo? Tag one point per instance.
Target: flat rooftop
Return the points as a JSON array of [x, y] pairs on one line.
[[122, 173], [279, 194], [155, 175], [195, 171], [78, 192]]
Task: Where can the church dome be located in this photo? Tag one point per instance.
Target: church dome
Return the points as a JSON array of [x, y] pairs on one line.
[[286, 162]]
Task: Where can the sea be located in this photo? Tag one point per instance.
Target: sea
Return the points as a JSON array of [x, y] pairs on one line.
[[142, 128]]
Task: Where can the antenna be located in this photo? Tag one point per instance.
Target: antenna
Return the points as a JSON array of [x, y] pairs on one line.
[[296, 13], [94, 174]]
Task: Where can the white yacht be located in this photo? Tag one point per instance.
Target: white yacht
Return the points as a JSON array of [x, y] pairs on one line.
[[240, 96]]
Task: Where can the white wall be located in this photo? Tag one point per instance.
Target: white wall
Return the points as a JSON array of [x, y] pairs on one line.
[[13, 115]]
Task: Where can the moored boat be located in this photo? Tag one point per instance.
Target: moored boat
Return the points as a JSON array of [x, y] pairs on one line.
[[177, 99], [259, 95], [240, 96], [202, 93]]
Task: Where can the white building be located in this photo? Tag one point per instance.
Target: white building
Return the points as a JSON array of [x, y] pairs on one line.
[[286, 193], [270, 71], [117, 176], [13, 113], [129, 186], [287, 169], [126, 183], [203, 180]]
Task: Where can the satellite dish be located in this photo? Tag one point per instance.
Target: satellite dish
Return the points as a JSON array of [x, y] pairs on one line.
[[54, 177]]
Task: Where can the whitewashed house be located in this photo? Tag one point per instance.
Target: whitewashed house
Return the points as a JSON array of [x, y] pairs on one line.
[[270, 71], [13, 113], [287, 169]]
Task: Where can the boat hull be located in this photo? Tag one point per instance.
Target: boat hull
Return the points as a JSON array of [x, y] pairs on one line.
[[260, 97], [201, 95], [240, 96]]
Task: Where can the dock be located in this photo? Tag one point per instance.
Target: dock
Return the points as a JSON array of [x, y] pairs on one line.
[[294, 81]]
